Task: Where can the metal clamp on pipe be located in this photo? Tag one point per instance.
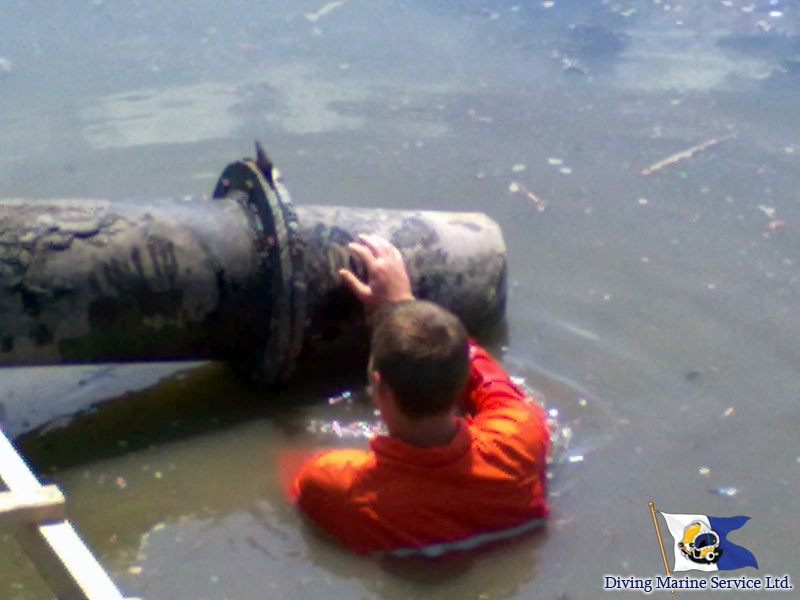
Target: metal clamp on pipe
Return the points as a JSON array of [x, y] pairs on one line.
[[257, 185]]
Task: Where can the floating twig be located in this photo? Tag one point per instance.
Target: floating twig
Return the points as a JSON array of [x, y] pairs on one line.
[[328, 8], [517, 188], [685, 154]]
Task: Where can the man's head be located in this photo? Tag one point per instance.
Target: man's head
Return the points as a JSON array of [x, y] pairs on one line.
[[420, 352]]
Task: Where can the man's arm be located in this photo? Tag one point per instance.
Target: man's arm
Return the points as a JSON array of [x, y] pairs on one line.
[[488, 386], [501, 409]]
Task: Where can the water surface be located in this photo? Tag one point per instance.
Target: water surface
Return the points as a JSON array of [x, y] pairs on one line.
[[656, 312]]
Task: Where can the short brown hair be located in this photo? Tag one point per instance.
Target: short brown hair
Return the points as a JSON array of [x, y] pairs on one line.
[[421, 352]]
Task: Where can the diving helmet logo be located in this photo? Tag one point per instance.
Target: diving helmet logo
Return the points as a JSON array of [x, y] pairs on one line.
[[700, 544]]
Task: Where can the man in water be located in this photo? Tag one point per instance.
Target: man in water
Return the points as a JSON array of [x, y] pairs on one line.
[[437, 482]]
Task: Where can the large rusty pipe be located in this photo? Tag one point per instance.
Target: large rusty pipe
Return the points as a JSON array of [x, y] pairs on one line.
[[245, 277]]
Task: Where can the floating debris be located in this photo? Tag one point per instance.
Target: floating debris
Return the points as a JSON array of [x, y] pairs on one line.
[[693, 375], [515, 187], [571, 65], [326, 9], [725, 491], [686, 154], [6, 66], [775, 225], [345, 396], [480, 118], [555, 161], [767, 210], [704, 471], [728, 411], [565, 170], [518, 168]]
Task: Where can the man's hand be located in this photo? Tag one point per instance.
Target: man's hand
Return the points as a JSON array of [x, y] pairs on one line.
[[386, 272]]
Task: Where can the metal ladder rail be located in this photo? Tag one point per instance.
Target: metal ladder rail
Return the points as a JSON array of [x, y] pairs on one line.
[[35, 513]]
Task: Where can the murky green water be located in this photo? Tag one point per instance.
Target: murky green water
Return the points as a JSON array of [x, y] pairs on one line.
[[656, 312]]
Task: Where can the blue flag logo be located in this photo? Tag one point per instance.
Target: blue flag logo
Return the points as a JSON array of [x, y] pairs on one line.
[[700, 543]]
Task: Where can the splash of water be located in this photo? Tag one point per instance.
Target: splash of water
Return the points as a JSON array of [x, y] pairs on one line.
[[354, 430], [561, 433], [364, 428]]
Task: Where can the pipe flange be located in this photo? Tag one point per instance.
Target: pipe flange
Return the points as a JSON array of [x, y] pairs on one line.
[[258, 186]]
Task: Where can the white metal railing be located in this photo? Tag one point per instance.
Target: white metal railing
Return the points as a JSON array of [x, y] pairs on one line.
[[35, 514]]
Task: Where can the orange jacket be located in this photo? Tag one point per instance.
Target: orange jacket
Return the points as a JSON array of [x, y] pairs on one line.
[[488, 483]]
